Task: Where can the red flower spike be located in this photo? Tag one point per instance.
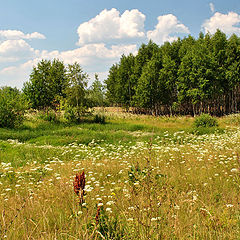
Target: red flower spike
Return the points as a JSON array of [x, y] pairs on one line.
[[79, 185]]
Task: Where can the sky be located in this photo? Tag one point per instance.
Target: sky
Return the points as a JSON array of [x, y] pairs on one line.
[[95, 33]]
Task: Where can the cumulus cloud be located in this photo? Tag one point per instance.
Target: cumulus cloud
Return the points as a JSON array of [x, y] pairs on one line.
[[225, 22], [166, 27], [15, 35], [14, 50], [102, 41], [110, 25], [16, 75], [212, 8], [94, 58]]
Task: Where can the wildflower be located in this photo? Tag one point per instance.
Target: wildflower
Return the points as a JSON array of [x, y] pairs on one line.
[[229, 205], [79, 185], [194, 197], [234, 170], [98, 215], [109, 210], [109, 203], [100, 204], [88, 188]]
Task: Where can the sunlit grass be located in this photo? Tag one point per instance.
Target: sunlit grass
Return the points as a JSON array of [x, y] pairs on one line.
[[161, 184]]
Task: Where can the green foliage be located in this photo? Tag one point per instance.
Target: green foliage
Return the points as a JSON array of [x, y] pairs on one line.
[[99, 118], [12, 106], [135, 174], [205, 120], [47, 81], [50, 116], [96, 96], [196, 75], [110, 227], [76, 103], [74, 114]]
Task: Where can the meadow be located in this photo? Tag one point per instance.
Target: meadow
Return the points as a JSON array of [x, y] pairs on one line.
[[146, 178]]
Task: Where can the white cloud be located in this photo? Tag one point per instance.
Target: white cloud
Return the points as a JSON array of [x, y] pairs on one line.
[[167, 25], [15, 35], [14, 50], [102, 41], [109, 25], [15, 76], [225, 22], [212, 8], [94, 58], [91, 55]]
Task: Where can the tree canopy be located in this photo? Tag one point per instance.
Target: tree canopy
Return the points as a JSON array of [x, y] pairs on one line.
[[187, 76]]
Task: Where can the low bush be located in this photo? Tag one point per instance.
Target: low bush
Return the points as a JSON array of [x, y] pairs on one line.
[[205, 120], [50, 116], [99, 118]]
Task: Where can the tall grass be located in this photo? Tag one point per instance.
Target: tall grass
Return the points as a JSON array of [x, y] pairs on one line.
[[178, 185]]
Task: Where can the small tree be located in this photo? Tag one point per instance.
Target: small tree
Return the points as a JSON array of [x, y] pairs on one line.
[[76, 102], [47, 81], [12, 106], [96, 93]]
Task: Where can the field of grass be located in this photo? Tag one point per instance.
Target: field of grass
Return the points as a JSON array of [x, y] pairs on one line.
[[146, 178]]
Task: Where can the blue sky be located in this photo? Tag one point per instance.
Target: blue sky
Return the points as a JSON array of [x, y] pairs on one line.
[[96, 33]]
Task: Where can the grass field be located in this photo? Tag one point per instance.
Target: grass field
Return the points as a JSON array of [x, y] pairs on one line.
[[149, 178]]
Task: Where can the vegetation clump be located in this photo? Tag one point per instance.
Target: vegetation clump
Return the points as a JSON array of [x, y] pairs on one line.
[[50, 116], [12, 106], [188, 77], [99, 118], [205, 120]]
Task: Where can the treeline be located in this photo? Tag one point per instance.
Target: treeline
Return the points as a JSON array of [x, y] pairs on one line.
[[52, 84], [53, 88], [187, 76]]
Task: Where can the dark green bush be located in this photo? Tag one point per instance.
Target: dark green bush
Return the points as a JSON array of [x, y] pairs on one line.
[[205, 120], [74, 114], [12, 107], [99, 118]]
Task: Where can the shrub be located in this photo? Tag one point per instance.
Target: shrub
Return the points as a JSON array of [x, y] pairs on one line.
[[100, 118], [50, 116], [205, 120], [12, 107], [74, 114]]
